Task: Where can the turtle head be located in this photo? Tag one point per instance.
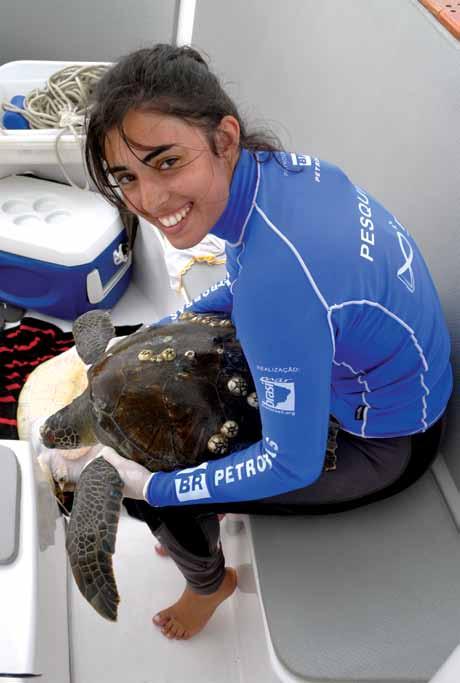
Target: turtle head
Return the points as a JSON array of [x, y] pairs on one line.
[[56, 435], [70, 427]]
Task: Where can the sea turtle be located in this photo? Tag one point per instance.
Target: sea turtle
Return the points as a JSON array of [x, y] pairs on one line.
[[168, 396]]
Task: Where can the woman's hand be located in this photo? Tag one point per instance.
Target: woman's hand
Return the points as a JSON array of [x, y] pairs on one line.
[[134, 476]]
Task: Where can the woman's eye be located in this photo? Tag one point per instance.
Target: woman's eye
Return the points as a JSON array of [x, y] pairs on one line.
[[123, 180], [167, 163]]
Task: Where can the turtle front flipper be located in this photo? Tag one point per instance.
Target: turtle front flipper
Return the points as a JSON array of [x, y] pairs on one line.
[[91, 535], [92, 332]]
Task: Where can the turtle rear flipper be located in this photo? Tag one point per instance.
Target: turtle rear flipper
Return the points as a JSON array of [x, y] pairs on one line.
[[92, 332], [91, 535]]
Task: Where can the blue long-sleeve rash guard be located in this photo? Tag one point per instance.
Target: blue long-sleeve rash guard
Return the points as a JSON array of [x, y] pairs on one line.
[[336, 312]]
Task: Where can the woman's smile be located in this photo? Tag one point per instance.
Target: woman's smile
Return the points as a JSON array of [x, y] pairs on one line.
[[175, 221]]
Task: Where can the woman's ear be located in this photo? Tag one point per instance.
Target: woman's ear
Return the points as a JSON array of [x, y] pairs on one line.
[[228, 137]]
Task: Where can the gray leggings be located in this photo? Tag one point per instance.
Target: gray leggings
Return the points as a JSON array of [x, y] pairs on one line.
[[357, 471]]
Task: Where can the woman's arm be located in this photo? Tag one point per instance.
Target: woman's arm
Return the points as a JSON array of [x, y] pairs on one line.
[[289, 351]]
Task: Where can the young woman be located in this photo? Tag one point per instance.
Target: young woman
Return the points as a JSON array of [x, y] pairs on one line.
[[332, 301]]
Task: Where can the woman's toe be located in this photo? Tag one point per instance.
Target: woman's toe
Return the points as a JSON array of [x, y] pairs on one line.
[[160, 619], [168, 628]]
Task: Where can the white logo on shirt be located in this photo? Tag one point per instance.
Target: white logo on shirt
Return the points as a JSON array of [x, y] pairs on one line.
[[191, 484], [279, 395], [405, 273], [263, 462], [300, 160]]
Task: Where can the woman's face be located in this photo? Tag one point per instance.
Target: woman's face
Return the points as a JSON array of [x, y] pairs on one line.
[[168, 174]]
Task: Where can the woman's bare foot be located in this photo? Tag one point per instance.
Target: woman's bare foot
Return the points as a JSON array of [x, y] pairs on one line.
[[191, 612]]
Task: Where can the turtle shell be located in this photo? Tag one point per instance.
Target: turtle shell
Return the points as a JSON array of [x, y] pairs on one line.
[[175, 395]]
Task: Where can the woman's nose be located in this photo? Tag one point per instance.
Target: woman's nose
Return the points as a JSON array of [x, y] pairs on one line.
[[153, 197]]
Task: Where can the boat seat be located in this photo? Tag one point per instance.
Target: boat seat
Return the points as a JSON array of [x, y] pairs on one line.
[[372, 594], [9, 506]]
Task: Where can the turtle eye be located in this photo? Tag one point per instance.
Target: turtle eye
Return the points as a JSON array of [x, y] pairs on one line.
[[47, 436]]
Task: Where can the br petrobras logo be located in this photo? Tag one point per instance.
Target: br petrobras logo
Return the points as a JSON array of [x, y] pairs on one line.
[[279, 395], [192, 484], [300, 160]]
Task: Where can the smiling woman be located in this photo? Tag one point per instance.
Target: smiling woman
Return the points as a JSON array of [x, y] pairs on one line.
[[332, 303]]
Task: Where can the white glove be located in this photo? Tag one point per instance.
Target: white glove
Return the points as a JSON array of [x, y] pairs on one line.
[[62, 466], [135, 477]]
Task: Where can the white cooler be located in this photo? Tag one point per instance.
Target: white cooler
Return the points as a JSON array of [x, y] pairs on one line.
[[63, 251]]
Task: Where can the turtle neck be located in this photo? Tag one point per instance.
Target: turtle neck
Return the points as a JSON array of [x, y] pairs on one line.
[[242, 190]]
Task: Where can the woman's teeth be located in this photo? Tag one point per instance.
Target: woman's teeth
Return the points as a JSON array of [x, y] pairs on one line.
[[175, 218]]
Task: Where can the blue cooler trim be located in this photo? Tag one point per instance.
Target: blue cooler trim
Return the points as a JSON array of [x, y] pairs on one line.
[[59, 290]]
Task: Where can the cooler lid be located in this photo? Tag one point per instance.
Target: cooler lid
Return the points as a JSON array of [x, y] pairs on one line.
[[55, 223]]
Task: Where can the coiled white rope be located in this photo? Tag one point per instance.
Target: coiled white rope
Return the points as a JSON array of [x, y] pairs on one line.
[[61, 104]]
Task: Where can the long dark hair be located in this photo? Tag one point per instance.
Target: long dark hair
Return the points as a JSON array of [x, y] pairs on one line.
[[167, 79]]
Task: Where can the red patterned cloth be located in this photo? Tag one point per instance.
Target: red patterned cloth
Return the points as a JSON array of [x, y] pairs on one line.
[[22, 348]]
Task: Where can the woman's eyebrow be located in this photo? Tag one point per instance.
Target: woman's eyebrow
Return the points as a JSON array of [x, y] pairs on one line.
[[115, 169], [148, 157], [156, 151]]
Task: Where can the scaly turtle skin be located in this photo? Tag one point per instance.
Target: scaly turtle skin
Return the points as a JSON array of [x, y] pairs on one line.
[[167, 397]]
